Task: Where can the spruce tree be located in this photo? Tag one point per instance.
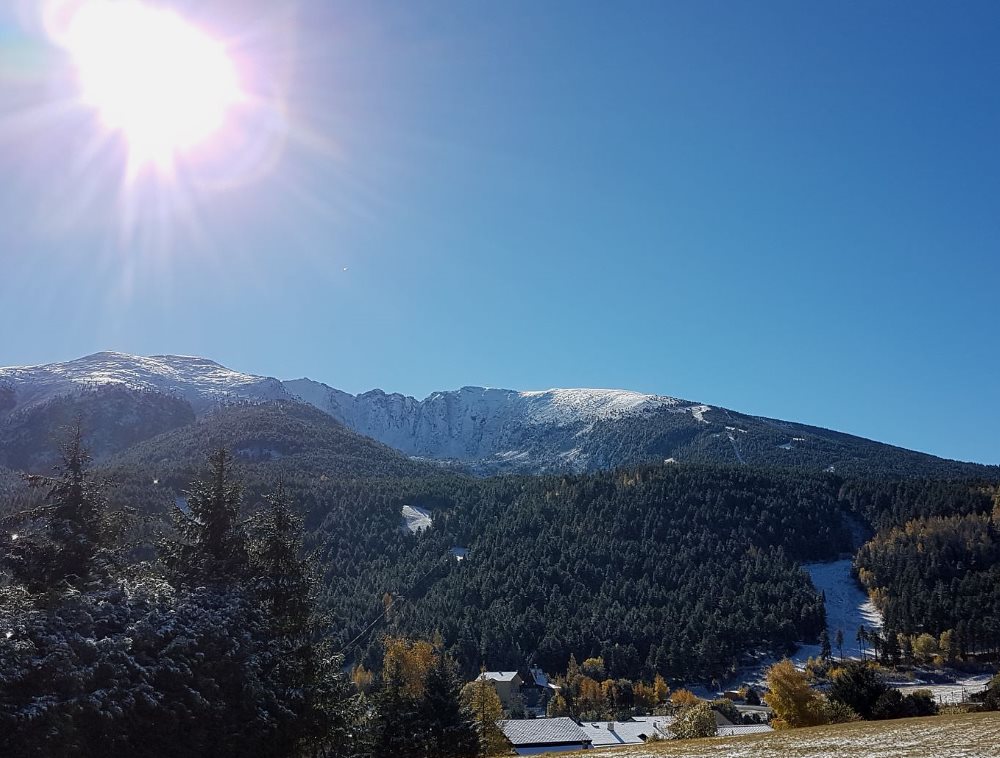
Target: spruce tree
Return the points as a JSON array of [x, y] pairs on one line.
[[824, 646], [66, 541], [449, 728], [316, 705], [213, 544]]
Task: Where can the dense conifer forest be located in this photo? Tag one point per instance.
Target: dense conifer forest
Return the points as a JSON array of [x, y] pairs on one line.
[[678, 571]]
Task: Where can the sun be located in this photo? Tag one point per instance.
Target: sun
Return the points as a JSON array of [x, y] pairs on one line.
[[159, 81]]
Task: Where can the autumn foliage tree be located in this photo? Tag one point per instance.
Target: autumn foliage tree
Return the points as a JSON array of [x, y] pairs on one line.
[[793, 701]]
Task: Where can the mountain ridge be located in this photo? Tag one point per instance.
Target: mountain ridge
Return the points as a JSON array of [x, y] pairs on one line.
[[483, 429]]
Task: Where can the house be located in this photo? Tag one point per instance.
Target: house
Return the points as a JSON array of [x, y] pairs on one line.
[[534, 736], [537, 691], [508, 684], [632, 732]]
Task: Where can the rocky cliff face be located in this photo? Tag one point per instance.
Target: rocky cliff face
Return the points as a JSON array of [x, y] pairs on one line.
[[497, 429]]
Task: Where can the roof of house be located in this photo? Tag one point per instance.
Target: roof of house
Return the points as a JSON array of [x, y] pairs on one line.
[[541, 680], [557, 731], [498, 676], [738, 729], [721, 720], [625, 732]]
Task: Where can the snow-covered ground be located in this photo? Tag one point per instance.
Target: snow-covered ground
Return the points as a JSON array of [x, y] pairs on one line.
[[415, 519], [953, 692], [483, 424], [847, 604]]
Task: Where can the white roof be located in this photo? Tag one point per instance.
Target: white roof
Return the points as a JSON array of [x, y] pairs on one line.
[[558, 731], [541, 680], [737, 729], [625, 732], [498, 676]]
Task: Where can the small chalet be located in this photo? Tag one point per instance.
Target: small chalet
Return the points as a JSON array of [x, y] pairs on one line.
[[534, 736]]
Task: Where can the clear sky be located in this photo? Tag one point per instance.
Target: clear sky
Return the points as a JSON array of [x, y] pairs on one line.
[[790, 209]]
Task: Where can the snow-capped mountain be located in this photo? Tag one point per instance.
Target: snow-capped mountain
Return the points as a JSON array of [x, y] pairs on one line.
[[199, 381], [119, 399], [492, 429], [124, 399]]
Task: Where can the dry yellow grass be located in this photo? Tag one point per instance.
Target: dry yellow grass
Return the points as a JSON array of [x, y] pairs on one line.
[[975, 735]]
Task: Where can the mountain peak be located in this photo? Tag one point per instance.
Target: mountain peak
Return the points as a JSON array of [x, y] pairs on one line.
[[200, 381]]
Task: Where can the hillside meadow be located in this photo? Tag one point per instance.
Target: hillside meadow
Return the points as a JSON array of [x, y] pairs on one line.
[[975, 735]]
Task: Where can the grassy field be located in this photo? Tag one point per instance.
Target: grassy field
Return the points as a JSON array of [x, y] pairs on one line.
[[965, 736]]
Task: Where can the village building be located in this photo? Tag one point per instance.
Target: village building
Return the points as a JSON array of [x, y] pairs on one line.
[[632, 732], [508, 684], [535, 736], [537, 691]]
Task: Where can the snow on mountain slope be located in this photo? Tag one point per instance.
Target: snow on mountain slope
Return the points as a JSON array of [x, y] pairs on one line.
[[125, 398], [498, 428], [201, 382]]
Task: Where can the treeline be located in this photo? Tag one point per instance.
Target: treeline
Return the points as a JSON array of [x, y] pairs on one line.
[[854, 691], [887, 503]]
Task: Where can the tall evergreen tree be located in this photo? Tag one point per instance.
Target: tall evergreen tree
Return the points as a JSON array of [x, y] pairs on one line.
[[449, 730], [316, 707], [824, 646], [67, 540], [213, 543]]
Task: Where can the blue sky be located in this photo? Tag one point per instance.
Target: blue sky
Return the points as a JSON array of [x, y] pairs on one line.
[[785, 208]]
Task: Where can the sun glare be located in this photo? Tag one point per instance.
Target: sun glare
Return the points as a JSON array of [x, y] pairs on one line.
[[156, 79]]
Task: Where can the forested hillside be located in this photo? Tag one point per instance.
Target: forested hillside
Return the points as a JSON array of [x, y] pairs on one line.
[[673, 570], [115, 417], [677, 569], [935, 564]]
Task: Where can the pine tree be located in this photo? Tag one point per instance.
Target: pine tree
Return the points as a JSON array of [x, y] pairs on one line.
[[397, 716], [824, 646], [840, 643], [67, 541], [213, 544], [316, 708], [449, 731]]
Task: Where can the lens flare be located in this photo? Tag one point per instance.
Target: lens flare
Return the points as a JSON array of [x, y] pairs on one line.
[[160, 82]]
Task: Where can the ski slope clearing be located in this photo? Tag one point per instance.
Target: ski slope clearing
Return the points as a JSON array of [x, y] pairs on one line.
[[975, 735], [415, 519], [847, 604]]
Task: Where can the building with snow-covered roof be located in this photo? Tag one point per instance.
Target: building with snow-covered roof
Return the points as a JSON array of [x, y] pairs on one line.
[[508, 684], [737, 730], [537, 691], [536, 736], [632, 732]]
